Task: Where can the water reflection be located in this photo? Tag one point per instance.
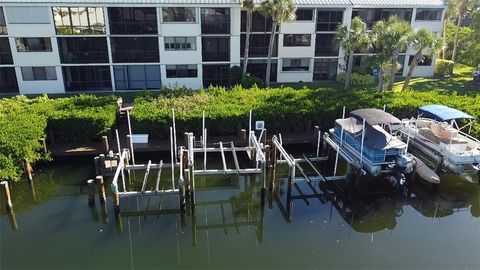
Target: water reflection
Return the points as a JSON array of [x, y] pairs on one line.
[[373, 206]]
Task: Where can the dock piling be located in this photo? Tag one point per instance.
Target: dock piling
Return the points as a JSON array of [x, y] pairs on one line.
[[243, 135], [27, 170], [91, 192], [6, 195], [105, 145], [101, 189], [43, 142]]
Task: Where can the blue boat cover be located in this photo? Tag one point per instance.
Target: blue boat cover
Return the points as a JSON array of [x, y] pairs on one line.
[[442, 113]]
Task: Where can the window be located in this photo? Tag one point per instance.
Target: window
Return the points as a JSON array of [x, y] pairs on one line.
[[295, 64], [5, 52], [426, 61], [181, 71], [180, 43], [326, 45], [329, 20], [135, 49], [260, 23], [137, 77], [372, 15], [325, 69], [34, 44], [258, 68], [79, 20], [215, 20], [215, 49], [304, 14], [296, 40], [179, 14], [3, 25], [216, 75], [428, 14], [8, 80], [39, 73], [87, 78], [132, 21], [258, 45], [83, 49]]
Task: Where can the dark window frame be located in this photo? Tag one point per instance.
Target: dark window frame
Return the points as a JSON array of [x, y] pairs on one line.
[[94, 25], [39, 73], [182, 71], [3, 23], [304, 14], [81, 50], [330, 24], [8, 81], [180, 46], [135, 49], [326, 44], [177, 16], [425, 62], [260, 23], [99, 78], [6, 57], [379, 14], [296, 68], [130, 81], [217, 54], [133, 20], [297, 40], [214, 22], [26, 44], [258, 45], [428, 14], [220, 78], [320, 65]]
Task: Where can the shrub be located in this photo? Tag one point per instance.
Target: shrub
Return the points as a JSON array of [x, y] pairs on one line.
[[248, 81], [357, 79], [235, 75], [443, 67]]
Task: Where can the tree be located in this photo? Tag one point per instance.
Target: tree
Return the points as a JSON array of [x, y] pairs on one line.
[[281, 11], [390, 38], [463, 7], [423, 40], [249, 5], [352, 38], [450, 11]]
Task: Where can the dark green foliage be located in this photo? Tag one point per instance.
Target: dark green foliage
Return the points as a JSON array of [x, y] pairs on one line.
[[235, 75], [357, 79], [283, 109], [24, 121], [443, 67], [248, 81]]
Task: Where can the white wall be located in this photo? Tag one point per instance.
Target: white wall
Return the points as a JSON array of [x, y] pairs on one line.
[[32, 59]]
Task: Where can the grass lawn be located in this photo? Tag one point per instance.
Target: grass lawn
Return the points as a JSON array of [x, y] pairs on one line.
[[461, 81]]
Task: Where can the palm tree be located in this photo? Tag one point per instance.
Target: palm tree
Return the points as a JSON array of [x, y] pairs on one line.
[[391, 37], [450, 11], [423, 39], [281, 11], [249, 5], [352, 38], [463, 7]]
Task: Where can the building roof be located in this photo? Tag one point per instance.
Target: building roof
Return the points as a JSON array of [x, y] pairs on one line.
[[407, 3], [403, 3]]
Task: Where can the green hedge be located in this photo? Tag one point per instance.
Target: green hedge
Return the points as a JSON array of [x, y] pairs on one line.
[[283, 109], [24, 121], [443, 67], [357, 78]]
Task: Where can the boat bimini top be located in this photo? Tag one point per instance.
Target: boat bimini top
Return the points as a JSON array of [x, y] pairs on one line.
[[443, 113], [375, 117]]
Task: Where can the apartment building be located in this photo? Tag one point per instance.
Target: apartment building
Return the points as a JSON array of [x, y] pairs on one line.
[[55, 46]]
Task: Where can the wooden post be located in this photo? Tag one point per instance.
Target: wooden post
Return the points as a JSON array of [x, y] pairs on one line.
[[243, 135], [105, 145], [315, 132], [273, 161], [43, 142], [6, 195], [102, 163], [13, 221], [96, 162], [116, 202], [101, 189], [119, 222], [265, 137], [27, 170], [91, 192]]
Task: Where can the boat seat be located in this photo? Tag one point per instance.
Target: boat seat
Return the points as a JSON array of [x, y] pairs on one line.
[[444, 131]]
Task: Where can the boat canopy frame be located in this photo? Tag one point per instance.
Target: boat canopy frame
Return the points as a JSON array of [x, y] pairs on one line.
[[442, 113]]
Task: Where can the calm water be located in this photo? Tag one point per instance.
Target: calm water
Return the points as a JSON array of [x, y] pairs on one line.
[[371, 227]]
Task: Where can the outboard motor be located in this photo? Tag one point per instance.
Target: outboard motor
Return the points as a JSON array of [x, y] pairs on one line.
[[404, 163], [397, 178]]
